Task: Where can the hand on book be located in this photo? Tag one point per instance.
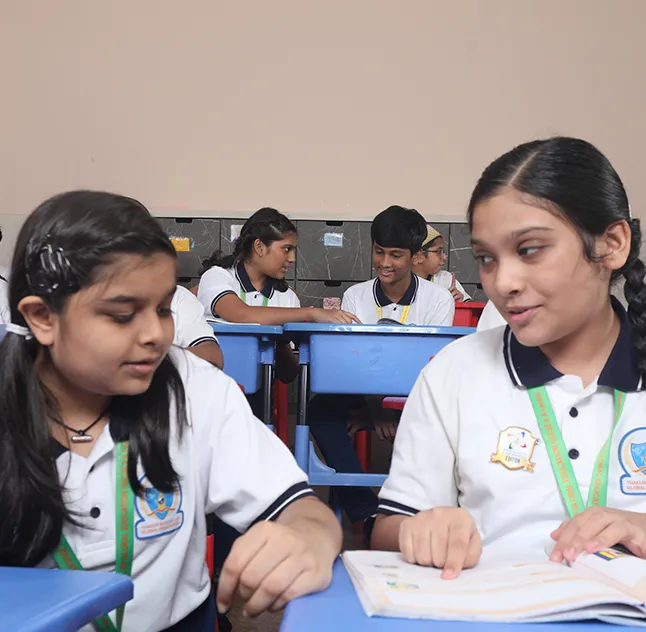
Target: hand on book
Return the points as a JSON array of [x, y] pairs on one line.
[[598, 528], [444, 537]]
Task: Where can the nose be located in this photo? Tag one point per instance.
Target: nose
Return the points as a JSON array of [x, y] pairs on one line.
[[385, 261], [154, 330], [291, 256], [509, 279]]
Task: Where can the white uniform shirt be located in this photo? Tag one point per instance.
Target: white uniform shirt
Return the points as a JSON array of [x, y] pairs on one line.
[[445, 279], [5, 313], [430, 304], [490, 318], [218, 282], [229, 464], [191, 326], [474, 390]]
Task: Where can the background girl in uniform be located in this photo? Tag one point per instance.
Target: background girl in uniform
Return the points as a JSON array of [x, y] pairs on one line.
[[90, 390], [508, 431]]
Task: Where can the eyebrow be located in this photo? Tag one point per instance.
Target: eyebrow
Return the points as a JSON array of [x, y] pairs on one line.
[[123, 299], [517, 233]]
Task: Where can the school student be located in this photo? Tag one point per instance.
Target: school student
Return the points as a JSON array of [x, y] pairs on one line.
[[102, 418], [528, 440], [397, 294], [429, 265], [192, 331]]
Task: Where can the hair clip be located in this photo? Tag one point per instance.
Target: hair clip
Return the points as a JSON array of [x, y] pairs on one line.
[[50, 273], [19, 330]]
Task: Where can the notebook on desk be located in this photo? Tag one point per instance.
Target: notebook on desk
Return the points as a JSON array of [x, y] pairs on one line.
[[609, 586]]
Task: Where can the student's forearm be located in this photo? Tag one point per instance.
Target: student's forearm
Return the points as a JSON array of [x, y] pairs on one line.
[[385, 534], [235, 311], [316, 524], [209, 351]]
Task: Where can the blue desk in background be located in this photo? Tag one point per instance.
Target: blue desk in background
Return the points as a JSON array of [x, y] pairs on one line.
[[358, 360], [339, 609], [43, 600], [249, 357]]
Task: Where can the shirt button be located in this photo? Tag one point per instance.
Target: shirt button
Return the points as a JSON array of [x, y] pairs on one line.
[[573, 454], [574, 412], [95, 512]]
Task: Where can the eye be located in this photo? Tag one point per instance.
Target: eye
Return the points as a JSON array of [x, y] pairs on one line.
[[165, 312], [122, 319], [528, 251], [483, 260]]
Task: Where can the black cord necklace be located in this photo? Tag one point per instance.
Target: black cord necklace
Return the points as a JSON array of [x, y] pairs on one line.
[[82, 436]]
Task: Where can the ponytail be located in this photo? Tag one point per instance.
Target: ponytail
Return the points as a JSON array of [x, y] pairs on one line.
[[635, 292]]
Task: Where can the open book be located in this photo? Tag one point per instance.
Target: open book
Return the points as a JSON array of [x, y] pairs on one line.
[[609, 586]]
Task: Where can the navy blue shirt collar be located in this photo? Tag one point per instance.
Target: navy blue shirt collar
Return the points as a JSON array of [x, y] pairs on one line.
[[529, 366], [247, 285], [409, 296]]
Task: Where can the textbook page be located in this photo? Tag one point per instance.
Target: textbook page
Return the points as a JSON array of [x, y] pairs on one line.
[[492, 591]]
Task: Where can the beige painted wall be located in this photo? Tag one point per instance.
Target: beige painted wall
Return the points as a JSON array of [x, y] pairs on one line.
[[334, 108]]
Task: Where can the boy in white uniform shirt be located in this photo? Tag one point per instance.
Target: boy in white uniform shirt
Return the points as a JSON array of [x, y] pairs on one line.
[[529, 440], [396, 294]]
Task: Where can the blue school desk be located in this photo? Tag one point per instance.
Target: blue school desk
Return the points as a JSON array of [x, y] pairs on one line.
[[44, 600], [339, 609], [358, 360], [249, 356]]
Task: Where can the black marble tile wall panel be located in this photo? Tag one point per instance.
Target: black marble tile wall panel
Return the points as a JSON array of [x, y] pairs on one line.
[[338, 251], [199, 238], [312, 293], [476, 292], [461, 261]]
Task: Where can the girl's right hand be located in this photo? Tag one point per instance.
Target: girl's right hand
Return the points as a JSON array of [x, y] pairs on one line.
[[445, 537], [334, 316]]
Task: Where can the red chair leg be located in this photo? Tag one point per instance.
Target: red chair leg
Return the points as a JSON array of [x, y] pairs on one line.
[[362, 440], [280, 411]]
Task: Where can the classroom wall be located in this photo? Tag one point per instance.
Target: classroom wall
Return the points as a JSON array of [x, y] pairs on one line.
[[331, 109]]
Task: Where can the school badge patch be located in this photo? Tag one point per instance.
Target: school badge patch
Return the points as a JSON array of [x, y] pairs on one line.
[[159, 512], [515, 448], [632, 458]]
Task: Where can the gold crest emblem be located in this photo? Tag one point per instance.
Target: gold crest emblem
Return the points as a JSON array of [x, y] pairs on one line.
[[515, 448]]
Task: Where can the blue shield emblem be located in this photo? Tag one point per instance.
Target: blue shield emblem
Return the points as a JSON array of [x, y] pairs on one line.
[[638, 453], [160, 503]]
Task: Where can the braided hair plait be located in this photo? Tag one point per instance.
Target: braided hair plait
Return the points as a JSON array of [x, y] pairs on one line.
[[635, 292]]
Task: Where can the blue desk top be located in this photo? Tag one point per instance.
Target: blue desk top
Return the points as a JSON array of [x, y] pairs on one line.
[[407, 330], [43, 600], [238, 328], [339, 609]]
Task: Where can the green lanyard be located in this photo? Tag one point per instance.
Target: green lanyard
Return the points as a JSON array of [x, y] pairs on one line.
[[560, 461], [66, 558], [265, 300]]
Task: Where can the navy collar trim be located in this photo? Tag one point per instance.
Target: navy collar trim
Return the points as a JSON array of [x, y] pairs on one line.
[[529, 366], [245, 282], [409, 296]]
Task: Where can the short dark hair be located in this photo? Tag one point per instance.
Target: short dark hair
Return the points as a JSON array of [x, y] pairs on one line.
[[399, 227]]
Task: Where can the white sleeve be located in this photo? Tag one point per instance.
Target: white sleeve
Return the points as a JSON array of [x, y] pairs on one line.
[[459, 288], [442, 310], [5, 312], [294, 301], [422, 470], [490, 318], [347, 302], [191, 327], [246, 471], [214, 284]]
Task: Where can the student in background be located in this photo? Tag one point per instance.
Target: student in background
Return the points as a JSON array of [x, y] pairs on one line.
[[192, 331], [530, 438], [249, 286], [429, 265], [397, 294], [101, 417]]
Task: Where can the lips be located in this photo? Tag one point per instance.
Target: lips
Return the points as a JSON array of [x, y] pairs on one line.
[[144, 367], [521, 315]]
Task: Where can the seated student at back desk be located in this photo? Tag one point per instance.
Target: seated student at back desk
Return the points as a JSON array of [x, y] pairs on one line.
[[192, 331], [429, 265], [396, 294]]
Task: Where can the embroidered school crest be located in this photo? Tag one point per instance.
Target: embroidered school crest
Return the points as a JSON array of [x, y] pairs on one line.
[[159, 512], [632, 458], [515, 448]]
